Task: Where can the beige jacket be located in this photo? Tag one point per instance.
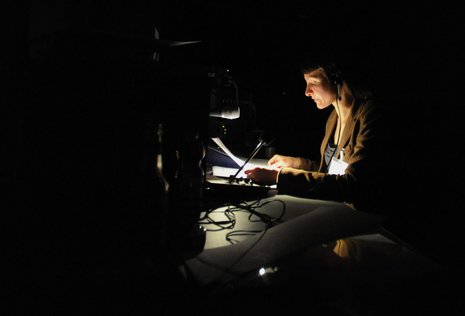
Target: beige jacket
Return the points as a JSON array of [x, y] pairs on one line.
[[363, 142]]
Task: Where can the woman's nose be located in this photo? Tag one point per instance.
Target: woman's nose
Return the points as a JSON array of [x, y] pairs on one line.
[[308, 91]]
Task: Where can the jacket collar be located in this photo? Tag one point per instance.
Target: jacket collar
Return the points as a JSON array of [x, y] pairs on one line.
[[331, 126]]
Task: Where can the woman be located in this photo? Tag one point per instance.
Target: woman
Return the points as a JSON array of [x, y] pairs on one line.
[[350, 169]]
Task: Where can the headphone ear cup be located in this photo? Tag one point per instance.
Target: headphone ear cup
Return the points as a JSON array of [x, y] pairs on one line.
[[337, 79], [334, 74]]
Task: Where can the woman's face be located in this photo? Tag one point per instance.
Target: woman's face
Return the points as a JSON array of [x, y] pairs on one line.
[[319, 88]]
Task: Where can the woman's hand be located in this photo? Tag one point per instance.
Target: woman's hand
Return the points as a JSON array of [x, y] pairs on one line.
[[262, 175], [279, 161]]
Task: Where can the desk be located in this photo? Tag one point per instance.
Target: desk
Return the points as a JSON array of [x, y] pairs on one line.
[[320, 214], [349, 261]]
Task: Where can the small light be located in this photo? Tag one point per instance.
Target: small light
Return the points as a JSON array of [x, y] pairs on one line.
[[262, 271]]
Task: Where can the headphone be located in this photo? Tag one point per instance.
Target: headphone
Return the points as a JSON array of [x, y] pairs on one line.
[[334, 76], [333, 73]]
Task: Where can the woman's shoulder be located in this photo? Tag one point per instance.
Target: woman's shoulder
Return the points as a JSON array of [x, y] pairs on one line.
[[367, 105]]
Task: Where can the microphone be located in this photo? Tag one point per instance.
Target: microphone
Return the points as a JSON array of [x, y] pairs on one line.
[[265, 139]]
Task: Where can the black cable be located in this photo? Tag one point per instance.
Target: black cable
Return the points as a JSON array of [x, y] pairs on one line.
[[226, 224], [271, 219], [240, 233], [243, 206]]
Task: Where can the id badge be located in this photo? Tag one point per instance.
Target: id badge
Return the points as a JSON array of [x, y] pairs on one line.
[[337, 166]]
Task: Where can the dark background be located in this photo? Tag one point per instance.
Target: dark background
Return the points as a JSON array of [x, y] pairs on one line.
[[81, 97]]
